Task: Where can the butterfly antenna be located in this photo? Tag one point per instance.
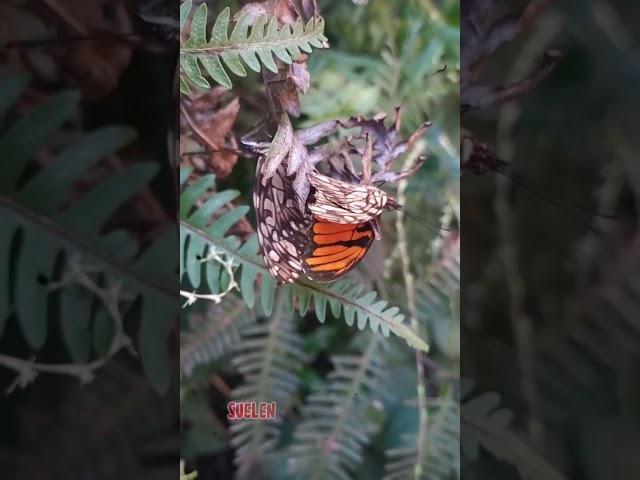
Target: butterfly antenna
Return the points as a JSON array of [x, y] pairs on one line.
[[563, 206], [234, 151], [561, 203], [22, 44], [419, 220]]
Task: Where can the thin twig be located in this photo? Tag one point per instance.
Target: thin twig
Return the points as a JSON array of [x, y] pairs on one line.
[[403, 251], [227, 264], [521, 323], [77, 273]]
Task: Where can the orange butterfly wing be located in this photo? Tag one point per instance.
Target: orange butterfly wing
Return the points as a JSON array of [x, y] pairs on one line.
[[336, 248]]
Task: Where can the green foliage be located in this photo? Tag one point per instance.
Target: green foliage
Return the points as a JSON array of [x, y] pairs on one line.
[[199, 240], [269, 357], [437, 300], [340, 417], [441, 457], [214, 334], [488, 426], [59, 263], [256, 48], [202, 433], [338, 401], [394, 61]]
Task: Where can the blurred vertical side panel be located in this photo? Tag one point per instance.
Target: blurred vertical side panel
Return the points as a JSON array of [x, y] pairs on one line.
[[550, 259], [88, 240]]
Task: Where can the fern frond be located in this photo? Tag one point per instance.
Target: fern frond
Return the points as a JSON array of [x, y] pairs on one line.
[[486, 425], [213, 335], [442, 454], [38, 235], [198, 238], [338, 419], [437, 298], [255, 48], [269, 356]]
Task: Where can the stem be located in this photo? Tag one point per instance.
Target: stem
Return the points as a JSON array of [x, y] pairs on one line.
[[403, 250], [508, 251], [28, 370]]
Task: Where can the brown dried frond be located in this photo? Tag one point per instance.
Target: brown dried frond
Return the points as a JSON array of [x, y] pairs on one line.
[[482, 35], [207, 120]]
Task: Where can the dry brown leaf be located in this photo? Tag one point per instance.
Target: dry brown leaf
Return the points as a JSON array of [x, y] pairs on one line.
[[376, 142], [483, 32], [210, 117], [286, 11], [388, 144], [477, 157], [288, 83], [96, 65]]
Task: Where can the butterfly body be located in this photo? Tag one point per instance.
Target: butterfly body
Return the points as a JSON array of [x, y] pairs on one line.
[[345, 203]]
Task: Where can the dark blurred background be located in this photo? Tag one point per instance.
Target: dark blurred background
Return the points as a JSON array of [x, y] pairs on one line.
[[85, 117], [550, 296]]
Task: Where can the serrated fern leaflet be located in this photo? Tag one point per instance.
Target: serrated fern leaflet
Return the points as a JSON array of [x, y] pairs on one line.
[[255, 48]]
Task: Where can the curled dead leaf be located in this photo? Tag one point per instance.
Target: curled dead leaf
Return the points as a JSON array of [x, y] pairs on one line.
[[375, 143], [208, 118], [95, 64], [483, 32]]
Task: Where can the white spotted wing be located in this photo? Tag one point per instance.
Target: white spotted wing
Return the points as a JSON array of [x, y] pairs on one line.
[[282, 228]]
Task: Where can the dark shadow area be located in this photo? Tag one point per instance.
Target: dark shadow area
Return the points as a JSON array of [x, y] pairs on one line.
[[88, 240], [550, 296]]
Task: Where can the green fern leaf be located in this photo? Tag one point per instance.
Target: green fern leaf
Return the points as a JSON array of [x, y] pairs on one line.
[[214, 333], [30, 133], [269, 356], [46, 242], [487, 425], [442, 453], [338, 419], [75, 326], [215, 51], [198, 239], [12, 88], [437, 299]]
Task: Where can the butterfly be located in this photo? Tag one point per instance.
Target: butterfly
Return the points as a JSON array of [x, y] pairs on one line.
[[294, 243], [335, 249], [324, 243], [329, 233]]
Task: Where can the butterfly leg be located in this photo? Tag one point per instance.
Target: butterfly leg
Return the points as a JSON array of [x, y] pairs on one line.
[[366, 161], [375, 225]]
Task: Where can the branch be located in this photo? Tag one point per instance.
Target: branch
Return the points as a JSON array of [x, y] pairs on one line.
[[409, 283], [228, 264], [77, 273]]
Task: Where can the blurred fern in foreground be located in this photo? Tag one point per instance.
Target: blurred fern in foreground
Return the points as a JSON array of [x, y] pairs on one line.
[[256, 49], [60, 264]]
